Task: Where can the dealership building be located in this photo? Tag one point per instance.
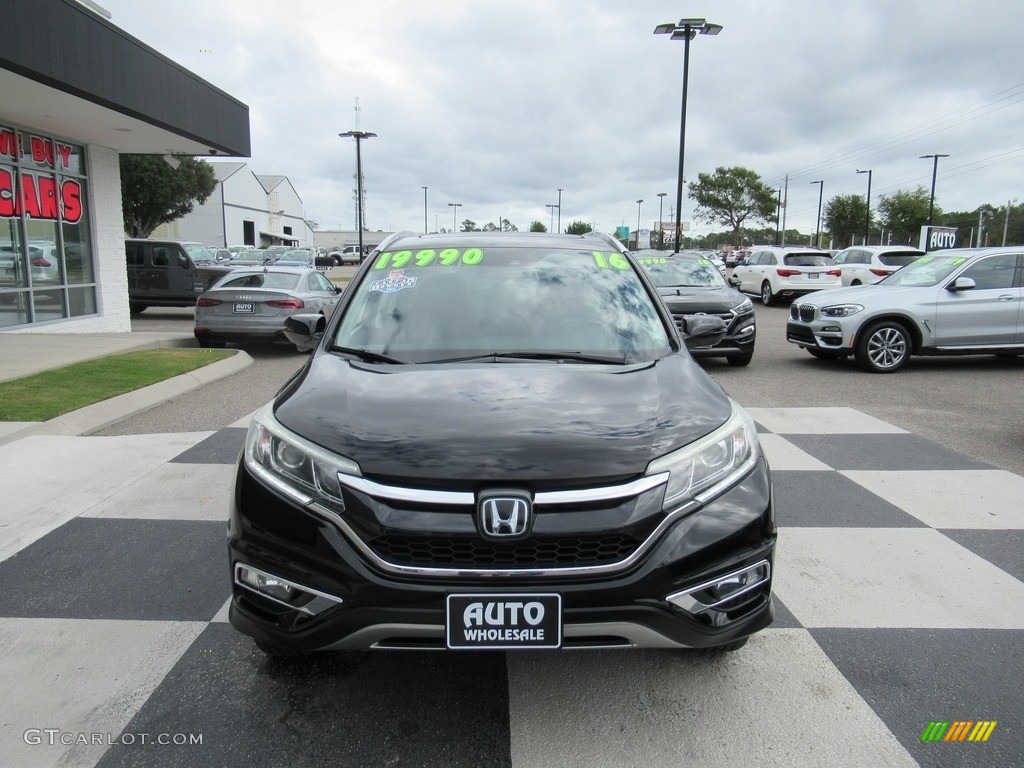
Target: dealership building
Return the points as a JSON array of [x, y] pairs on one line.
[[75, 93]]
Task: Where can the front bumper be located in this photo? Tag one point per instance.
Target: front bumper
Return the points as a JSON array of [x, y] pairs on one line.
[[807, 328], [360, 605]]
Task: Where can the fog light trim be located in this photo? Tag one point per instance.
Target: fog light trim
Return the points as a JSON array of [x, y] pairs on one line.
[[284, 592], [727, 587]]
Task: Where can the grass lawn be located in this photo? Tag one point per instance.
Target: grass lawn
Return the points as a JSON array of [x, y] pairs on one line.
[[48, 394]]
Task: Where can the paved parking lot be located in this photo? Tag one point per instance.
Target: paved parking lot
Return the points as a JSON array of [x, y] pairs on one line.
[[899, 586]]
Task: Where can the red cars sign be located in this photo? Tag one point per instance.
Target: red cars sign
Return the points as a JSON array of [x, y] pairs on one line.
[[38, 195]]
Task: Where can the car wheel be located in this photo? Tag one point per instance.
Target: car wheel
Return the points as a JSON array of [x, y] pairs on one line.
[[740, 360], [767, 297], [137, 309], [207, 343], [883, 347]]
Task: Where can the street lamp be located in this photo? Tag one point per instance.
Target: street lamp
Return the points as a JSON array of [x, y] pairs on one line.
[[661, 229], [559, 210], [552, 207], [867, 217], [424, 210], [359, 136], [684, 30], [935, 170], [817, 226], [638, 223], [455, 213]]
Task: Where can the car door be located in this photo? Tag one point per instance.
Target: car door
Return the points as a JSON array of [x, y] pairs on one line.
[[747, 273], [985, 315], [323, 292]]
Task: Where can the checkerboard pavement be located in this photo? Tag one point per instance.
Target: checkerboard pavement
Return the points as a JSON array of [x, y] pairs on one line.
[[899, 588]]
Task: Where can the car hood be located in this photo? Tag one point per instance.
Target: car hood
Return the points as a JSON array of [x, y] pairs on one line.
[[693, 300], [868, 295], [544, 424]]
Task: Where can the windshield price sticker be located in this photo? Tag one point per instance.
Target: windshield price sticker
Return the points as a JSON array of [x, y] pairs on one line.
[[611, 261], [649, 261], [448, 257], [503, 621]]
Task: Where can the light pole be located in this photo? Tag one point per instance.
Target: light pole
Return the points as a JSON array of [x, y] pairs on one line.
[[359, 136], [559, 210], [424, 210], [935, 170], [455, 213], [867, 217], [661, 229], [551, 207], [817, 226], [684, 30], [638, 202]]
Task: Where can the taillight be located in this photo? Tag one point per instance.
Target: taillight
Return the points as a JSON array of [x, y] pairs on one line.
[[835, 272], [287, 303], [202, 302], [881, 272], [787, 272], [39, 261]]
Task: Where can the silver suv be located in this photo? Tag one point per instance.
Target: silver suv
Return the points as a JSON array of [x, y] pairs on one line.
[[956, 302]]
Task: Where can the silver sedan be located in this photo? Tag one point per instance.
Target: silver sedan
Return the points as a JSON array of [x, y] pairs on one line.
[[251, 304]]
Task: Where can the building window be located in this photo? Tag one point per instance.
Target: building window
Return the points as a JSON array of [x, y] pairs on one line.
[[46, 264], [249, 232]]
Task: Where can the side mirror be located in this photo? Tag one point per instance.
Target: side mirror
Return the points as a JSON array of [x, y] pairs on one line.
[[305, 331], [961, 284], [703, 330]]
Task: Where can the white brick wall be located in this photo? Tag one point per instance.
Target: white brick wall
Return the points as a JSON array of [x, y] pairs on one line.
[[107, 225]]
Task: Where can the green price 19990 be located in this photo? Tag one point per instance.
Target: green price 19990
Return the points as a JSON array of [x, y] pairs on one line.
[[449, 257]]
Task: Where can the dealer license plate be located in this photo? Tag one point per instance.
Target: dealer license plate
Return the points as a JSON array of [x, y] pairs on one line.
[[503, 622], [244, 308], [814, 275]]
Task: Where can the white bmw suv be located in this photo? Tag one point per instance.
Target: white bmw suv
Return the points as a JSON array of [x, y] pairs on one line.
[[957, 302], [785, 272]]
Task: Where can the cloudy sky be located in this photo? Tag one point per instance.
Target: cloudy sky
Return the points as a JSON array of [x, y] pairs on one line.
[[497, 105]]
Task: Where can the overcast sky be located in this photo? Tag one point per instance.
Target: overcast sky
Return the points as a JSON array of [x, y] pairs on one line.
[[497, 105]]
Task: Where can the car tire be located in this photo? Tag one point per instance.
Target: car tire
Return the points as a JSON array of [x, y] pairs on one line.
[[136, 308], [884, 347], [210, 343], [767, 297], [740, 360], [855, 282]]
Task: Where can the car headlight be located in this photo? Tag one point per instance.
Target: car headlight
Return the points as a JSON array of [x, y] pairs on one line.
[[703, 468], [744, 306], [841, 310], [301, 470]]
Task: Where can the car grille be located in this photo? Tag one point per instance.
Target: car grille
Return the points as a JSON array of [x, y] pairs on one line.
[[800, 335], [802, 312], [727, 317], [469, 552]]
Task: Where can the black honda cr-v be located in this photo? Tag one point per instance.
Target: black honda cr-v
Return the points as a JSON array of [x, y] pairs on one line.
[[500, 442]]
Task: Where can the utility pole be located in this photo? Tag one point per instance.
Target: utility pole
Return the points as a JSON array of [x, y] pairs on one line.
[[785, 202]]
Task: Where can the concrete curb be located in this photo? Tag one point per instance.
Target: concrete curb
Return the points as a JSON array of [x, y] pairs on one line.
[[95, 417]]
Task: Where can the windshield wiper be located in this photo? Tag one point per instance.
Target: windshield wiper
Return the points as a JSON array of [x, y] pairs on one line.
[[367, 356], [575, 356]]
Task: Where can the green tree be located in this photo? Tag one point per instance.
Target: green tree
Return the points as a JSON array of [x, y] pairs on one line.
[[904, 213], [537, 226], [730, 196], [578, 228], [154, 193], [845, 217], [469, 226]]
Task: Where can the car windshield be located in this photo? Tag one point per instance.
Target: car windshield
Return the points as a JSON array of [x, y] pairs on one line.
[[282, 281], [683, 272], [200, 254], [448, 303], [899, 258], [807, 260], [297, 254], [924, 271]]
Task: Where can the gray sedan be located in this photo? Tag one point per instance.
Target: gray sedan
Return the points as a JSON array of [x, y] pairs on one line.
[[251, 304]]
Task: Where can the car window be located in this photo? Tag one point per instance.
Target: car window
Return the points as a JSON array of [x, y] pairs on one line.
[[807, 260], [993, 272], [317, 282], [899, 258], [843, 257], [456, 302], [926, 270], [162, 257], [683, 272], [284, 281]]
